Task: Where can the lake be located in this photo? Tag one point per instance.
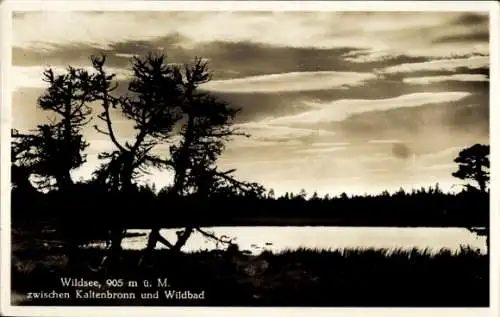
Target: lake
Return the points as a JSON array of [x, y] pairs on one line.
[[257, 239]]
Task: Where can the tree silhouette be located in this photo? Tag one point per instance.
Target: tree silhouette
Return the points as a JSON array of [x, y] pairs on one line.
[[166, 106], [56, 148], [152, 106], [473, 164], [24, 163], [152, 109], [207, 127]]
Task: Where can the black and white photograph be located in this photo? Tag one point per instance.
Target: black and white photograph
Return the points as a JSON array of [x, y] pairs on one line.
[[201, 155]]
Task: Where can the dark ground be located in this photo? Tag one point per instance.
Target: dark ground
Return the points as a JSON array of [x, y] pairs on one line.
[[362, 278], [292, 278]]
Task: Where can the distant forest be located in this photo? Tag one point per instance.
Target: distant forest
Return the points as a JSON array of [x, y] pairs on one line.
[[424, 207]]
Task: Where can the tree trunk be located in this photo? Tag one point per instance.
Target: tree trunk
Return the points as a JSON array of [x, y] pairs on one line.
[[73, 234], [181, 241], [176, 191], [482, 184], [488, 240], [153, 238], [64, 181], [20, 178], [480, 178]]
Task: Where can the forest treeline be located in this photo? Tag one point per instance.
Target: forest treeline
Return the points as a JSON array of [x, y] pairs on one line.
[[140, 209]]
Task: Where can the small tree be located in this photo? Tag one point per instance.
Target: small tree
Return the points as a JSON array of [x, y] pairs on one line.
[[56, 148], [474, 164], [24, 162]]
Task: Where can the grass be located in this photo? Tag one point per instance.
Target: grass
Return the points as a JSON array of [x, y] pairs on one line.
[[303, 277]]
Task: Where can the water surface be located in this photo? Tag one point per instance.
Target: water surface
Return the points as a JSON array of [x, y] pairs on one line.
[[257, 239]]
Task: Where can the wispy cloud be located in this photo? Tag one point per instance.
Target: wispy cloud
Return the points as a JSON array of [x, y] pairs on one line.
[[264, 132], [296, 81], [31, 76], [447, 153], [99, 29], [384, 141], [321, 150], [444, 167], [454, 77], [341, 109], [370, 55], [389, 32], [473, 62]]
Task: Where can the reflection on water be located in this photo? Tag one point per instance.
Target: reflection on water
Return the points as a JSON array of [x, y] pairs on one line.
[[257, 239]]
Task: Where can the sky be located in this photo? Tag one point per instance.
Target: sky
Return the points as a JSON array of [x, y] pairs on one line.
[[355, 102]]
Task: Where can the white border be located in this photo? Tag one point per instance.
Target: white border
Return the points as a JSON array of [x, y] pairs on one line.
[[25, 5], [147, 5], [494, 160]]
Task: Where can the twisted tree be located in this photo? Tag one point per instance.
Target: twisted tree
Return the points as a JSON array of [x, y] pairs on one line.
[[207, 127], [474, 164], [152, 107], [56, 148], [53, 150], [165, 105]]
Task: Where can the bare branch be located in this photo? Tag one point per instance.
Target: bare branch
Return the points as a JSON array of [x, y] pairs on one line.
[[100, 130], [164, 241], [111, 132], [214, 237]]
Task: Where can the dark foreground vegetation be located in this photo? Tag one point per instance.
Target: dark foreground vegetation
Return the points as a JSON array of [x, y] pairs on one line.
[[291, 278]]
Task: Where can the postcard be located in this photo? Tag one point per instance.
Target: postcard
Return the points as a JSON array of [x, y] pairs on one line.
[[249, 157]]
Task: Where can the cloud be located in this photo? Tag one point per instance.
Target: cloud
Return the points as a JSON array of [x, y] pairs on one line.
[[231, 59], [384, 141], [390, 32], [470, 18], [341, 109], [467, 28], [371, 56], [263, 132], [328, 144], [401, 150], [103, 28], [473, 62], [445, 167], [228, 60], [482, 36], [126, 55], [446, 154], [280, 142], [259, 106], [99, 29], [31, 76], [464, 120], [297, 81], [287, 71], [321, 150], [455, 77]]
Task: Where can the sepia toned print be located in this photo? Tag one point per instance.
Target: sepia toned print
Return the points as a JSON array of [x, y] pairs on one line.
[[250, 159]]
